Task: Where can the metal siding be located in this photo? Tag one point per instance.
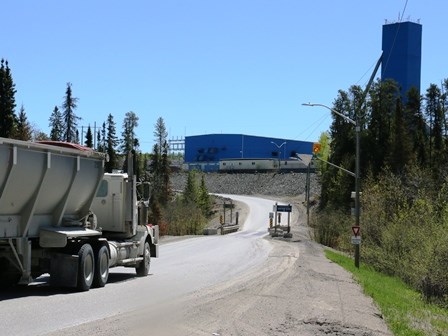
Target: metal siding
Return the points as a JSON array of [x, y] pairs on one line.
[[402, 44], [214, 147]]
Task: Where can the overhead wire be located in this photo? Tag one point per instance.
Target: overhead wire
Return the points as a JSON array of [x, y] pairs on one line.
[[317, 122], [367, 71], [393, 44], [400, 19]]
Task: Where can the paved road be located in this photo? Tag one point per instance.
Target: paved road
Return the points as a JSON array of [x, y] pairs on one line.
[[184, 267], [240, 284]]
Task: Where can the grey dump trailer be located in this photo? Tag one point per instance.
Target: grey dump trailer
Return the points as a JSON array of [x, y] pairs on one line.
[[61, 214]]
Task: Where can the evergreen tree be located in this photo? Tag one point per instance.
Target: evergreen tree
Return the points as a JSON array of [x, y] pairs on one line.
[[382, 105], [434, 112], [129, 139], [417, 126], [23, 126], [160, 170], [89, 138], [336, 187], [401, 153], [99, 147], [130, 143], [56, 125], [204, 201], [101, 139], [190, 195], [69, 117], [111, 144], [7, 101]]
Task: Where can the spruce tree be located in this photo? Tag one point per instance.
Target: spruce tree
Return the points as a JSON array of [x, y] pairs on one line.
[[160, 164], [69, 117], [111, 144], [56, 125], [99, 147], [190, 195], [129, 139], [401, 153], [336, 187], [23, 126], [434, 112], [417, 126], [379, 131], [89, 138], [7, 101], [129, 142], [101, 139], [204, 201]]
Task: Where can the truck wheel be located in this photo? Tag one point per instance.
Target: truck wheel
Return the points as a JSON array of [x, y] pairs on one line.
[[86, 268], [143, 268], [101, 267]]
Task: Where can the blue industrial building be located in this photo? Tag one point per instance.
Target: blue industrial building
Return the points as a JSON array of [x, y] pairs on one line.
[[402, 54], [205, 151]]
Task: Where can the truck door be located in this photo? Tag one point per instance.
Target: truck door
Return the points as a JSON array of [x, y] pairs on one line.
[[108, 204]]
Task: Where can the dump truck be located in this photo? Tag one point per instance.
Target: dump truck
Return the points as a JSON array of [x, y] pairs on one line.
[[61, 214]]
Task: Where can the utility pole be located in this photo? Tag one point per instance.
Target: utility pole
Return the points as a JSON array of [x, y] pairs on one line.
[[357, 163]]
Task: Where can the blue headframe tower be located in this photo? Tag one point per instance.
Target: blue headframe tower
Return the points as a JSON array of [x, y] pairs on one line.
[[402, 55]]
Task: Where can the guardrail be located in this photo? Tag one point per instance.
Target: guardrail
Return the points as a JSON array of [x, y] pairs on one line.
[[229, 228]]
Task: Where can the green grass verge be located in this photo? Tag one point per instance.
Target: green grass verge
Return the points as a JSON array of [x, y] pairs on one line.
[[403, 309]]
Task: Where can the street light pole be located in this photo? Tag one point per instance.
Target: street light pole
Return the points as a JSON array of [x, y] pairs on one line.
[[357, 200], [279, 152], [357, 168]]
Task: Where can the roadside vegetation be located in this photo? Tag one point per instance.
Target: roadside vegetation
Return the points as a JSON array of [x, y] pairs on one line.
[[189, 212], [402, 307], [404, 160]]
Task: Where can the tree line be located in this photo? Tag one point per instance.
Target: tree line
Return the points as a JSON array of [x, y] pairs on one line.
[[184, 214], [404, 174]]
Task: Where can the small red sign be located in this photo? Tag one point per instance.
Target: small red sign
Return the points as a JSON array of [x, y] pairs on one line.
[[356, 230]]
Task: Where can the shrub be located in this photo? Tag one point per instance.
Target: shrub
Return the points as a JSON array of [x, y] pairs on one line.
[[404, 226], [184, 218]]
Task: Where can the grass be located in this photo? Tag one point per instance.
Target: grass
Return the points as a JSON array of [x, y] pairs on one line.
[[403, 309]]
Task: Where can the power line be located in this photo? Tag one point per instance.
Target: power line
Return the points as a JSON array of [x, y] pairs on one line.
[[395, 37]]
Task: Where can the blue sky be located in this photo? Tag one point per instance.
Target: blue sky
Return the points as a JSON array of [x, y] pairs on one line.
[[205, 66]]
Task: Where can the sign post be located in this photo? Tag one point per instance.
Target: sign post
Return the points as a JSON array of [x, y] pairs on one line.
[[278, 209]]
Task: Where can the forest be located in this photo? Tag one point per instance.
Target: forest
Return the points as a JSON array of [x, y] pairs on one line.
[[403, 172]]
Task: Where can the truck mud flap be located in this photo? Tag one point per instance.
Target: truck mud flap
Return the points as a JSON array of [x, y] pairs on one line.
[[154, 250], [64, 270]]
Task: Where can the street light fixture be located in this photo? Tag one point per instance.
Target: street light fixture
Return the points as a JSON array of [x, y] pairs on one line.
[[357, 162], [280, 146]]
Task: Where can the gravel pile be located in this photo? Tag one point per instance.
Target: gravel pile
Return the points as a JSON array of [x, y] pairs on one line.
[[272, 184]]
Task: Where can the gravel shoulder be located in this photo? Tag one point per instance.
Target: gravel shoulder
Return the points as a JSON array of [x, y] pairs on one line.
[[297, 291]]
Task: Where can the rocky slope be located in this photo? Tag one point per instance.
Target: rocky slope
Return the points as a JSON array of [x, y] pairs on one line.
[[269, 184]]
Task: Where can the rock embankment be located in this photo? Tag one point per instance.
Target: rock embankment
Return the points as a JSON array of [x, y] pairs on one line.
[[269, 184]]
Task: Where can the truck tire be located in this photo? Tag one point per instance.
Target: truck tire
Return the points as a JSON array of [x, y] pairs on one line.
[[86, 267], [143, 267], [101, 267]]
